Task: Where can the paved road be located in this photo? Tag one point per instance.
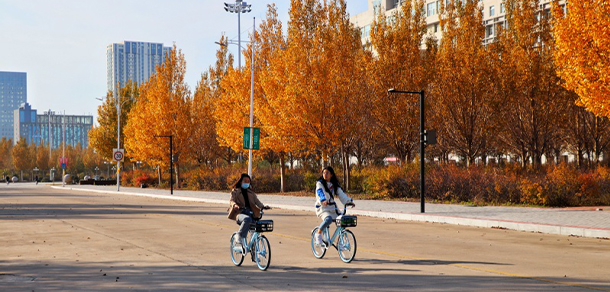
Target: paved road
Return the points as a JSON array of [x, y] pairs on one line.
[[586, 222], [61, 240]]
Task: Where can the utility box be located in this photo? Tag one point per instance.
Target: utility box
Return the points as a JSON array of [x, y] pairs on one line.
[[430, 137]]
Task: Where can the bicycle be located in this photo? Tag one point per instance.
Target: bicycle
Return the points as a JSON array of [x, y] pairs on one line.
[[258, 242], [346, 241]]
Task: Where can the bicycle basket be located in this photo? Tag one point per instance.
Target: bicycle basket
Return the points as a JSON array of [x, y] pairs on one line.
[[347, 221], [262, 226]]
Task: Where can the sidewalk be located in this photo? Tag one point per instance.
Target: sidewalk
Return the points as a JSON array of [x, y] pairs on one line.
[[586, 222]]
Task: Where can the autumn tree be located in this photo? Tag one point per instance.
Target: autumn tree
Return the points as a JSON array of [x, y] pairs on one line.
[[271, 71], [22, 158], [582, 43], [163, 108], [534, 103], [6, 158], [103, 137], [204, 140], [91, 159], [464, 89], [42, 157], [399, 63]]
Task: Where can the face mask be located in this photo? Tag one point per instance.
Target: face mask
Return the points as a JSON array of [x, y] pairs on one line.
[[245, 185]]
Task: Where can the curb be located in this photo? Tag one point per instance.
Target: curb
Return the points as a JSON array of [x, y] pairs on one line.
[[566, 230]]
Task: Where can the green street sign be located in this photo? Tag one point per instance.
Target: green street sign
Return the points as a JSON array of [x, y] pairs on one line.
[[256, 135]]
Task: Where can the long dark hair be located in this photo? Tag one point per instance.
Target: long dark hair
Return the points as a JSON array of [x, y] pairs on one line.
[[333, 180], [238, 183]]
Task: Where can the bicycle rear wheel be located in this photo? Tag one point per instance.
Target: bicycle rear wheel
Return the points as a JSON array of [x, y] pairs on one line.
[[318, 250], [346, 245], [237, 254], [262, 253]]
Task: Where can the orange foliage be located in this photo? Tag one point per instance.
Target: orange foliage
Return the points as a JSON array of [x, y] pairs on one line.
[[582, 39]]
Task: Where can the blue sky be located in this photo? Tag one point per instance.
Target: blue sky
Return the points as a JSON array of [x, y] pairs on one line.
[[61, 44]]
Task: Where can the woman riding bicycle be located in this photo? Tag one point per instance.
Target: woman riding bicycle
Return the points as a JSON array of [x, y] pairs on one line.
[[244, 206], [327, 187]]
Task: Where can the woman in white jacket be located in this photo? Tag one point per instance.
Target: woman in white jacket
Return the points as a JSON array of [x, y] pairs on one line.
[[327, 188]]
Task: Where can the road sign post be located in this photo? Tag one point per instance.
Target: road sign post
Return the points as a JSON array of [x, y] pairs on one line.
[[118, 155]]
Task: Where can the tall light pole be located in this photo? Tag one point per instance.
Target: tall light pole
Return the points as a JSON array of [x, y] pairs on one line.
[[422, 144], [63, 152], [252, 101], [50, 134], [251, 93], [238, 7], [118, 135]]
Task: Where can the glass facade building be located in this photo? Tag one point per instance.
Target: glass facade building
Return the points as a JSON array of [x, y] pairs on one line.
[[13, 93], [50, 126], [133, 61]]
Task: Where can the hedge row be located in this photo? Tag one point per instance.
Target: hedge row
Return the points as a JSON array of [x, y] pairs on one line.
[[557, 186]]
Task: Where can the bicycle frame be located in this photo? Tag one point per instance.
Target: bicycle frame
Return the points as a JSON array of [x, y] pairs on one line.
[[326, 232], [249, 244], [331, 240]]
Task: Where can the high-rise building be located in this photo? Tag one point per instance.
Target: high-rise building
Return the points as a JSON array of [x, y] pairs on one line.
[[13, 92], [133, 61], [51, 127]]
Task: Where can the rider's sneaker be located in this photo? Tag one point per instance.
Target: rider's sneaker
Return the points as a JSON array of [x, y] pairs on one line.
[[318, 238], [238, 239]]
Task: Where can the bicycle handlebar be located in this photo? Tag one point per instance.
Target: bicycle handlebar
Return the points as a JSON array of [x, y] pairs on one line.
[[345, 207]]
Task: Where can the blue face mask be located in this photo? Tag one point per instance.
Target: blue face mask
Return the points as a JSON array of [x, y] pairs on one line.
[[245, 185]]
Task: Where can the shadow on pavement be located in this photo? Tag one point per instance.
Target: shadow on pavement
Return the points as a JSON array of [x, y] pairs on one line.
[[122, 276]]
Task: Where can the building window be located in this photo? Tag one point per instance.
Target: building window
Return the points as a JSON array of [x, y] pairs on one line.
[[491, 10], [501, 7], [431, 8], [490, 30], [376, 7]]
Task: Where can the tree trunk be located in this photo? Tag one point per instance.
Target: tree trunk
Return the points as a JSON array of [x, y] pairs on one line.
[[282, 172], [159, 173], [177, 170], [345, 160]]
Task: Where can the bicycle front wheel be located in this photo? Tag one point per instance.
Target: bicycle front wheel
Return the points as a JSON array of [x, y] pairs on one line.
[[318, 250], [237, 254], [263, 253], [346, 246]]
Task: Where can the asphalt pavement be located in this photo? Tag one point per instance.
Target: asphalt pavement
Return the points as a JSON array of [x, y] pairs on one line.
[[585, 221]]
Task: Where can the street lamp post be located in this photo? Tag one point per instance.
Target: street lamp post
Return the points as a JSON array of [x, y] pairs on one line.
[[171, 162], [96, 169], [422, 144], [118, 136], [238, 7], [251, 93], [251, 101]]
